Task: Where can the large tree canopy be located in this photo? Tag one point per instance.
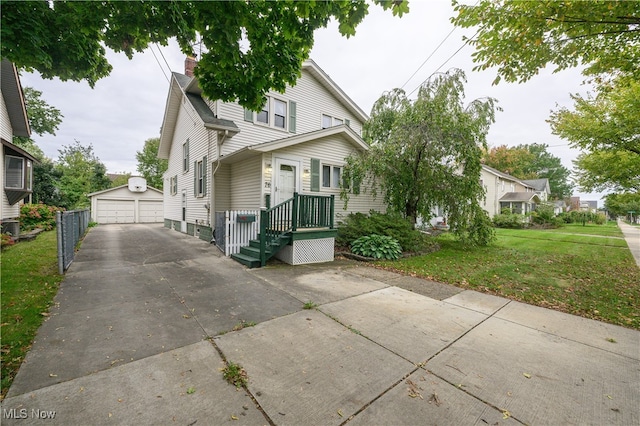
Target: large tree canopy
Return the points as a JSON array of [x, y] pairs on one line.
[[250, 46], [426, 154], [521, 37], [149, 165], [81, 173], [531, 161], [607, 129], [43, 118]]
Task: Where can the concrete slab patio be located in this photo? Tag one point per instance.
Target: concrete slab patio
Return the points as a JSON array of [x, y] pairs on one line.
[[146, 318]]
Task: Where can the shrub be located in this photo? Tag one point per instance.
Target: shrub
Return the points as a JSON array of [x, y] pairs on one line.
[[514, 221], [7, 240], [377, 246], [37, 216], [545, 216], [357, 225]]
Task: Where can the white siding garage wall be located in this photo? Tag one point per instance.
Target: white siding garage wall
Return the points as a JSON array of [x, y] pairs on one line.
[[120, 205]]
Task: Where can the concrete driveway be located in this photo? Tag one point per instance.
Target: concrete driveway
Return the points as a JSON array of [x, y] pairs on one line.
[[146, 318]]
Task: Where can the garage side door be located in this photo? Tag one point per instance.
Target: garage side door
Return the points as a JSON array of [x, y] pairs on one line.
[[151, 211], [116, 211]]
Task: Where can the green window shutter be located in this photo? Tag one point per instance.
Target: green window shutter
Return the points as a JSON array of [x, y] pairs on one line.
[[195, 178], [205, 167], [315, 175], [248, 115], [292, 117], [347, 122]]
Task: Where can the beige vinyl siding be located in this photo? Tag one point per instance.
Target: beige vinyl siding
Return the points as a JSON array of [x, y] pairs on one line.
[[6, 129], [246, 185], [312, 100], [222, 181], [188, 127], [7, 211], [332, 150]]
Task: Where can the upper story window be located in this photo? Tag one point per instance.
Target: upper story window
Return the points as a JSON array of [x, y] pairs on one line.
[[280, 113], [263, 116], [329, 121], [276, 113], [185, 156]]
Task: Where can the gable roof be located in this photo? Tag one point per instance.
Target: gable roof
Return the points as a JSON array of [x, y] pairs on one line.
[[14, 99], [526, 197], [539, 184], [503, 175], [182, 87], [120, 187], [252, 150], [326, 81]]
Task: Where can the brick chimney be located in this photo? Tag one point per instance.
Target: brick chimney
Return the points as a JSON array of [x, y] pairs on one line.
[[189, 65]]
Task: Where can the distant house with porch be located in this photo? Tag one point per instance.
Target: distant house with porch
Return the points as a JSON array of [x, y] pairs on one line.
[[261, 183], [505, 191]]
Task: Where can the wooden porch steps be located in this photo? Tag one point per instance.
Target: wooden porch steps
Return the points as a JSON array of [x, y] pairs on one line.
[[250, 255]]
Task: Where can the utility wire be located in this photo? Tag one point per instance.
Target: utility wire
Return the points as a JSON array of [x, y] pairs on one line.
[[159, 64], [162, 54], [428, 57], [445, 62]]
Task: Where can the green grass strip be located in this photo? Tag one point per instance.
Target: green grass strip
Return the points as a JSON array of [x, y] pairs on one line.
[[30, 280], [590, 277]]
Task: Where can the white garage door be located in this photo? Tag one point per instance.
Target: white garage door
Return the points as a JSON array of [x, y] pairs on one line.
[[150, 211], [116, 211]]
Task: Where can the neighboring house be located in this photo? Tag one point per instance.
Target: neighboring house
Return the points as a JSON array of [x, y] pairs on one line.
[[505, 191], [132, 203], [16, 165], [585, 206], [559, 206], [224, 159]]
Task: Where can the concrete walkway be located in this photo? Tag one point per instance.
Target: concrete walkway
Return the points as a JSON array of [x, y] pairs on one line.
[[632, 236], [146, 316]]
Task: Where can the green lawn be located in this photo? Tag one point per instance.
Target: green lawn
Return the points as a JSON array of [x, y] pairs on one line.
[[595, 277], [30, 280]]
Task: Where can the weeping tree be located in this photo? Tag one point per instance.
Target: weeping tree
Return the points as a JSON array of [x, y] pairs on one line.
[[425, 153]]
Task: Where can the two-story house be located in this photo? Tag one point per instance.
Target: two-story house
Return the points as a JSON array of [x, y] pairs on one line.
[[229, 165], [505, 191], [16, 165]]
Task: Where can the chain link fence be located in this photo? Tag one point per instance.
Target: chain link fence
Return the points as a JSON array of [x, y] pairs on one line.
[[70, 226]]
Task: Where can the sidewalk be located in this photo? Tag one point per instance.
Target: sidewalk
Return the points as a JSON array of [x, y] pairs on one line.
[[145, 317], [632, 236]]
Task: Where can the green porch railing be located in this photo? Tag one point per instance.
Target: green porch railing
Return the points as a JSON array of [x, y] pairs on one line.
[[300, 212]]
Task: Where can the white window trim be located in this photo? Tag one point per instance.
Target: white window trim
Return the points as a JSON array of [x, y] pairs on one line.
[[200, 177], [332, 184], [271, 117], [22, 172], [333, 120], [185, 156]]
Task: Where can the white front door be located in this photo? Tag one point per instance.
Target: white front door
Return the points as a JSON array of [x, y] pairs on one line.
[[287, 179]]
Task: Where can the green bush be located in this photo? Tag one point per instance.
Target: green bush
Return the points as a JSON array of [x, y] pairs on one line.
[[545, 216], [377, 246], [507, 220], [358, 225], [38, 216]]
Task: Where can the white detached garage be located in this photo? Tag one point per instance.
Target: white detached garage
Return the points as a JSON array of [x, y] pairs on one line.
[[132, 203]]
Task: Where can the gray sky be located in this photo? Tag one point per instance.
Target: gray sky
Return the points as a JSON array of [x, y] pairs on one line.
[[126, 108]]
